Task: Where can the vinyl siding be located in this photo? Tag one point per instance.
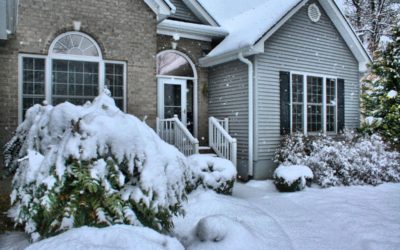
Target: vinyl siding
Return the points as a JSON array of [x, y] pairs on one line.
[[183, 13], [300, 45], [228, 97]]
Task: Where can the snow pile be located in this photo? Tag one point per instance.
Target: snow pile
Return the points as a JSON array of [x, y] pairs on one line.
[[114, 237], [212, 173], [92, 165], [352, 160], [392, 94], [292, 178], [215, 221]]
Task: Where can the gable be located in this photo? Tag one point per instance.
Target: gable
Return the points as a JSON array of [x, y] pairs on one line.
[[183, 13], [239, 42]]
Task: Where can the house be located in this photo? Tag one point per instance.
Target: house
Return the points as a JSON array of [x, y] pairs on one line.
[[259, 68]]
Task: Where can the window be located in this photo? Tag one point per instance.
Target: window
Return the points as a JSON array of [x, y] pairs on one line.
[[33, 82], [313, 103], [74, 71]]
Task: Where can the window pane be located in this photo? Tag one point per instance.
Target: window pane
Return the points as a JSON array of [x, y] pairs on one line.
[[297, 118], [115, 82], [314, 89], [74, 81], [297, 88], [33, 82], [330, 91], [331, 119], [314, 118]]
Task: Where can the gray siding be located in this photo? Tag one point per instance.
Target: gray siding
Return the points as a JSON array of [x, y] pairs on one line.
[[228, 97], [183, 13], [299, 45]]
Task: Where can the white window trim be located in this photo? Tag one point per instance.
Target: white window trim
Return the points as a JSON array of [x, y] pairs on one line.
[[324, 105], [48, 71]]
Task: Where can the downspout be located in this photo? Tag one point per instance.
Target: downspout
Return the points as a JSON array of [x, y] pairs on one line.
[[251, 109]]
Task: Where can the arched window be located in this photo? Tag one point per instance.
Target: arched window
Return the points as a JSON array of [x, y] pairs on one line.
[[171, 63], [75, 44], [73, 71]]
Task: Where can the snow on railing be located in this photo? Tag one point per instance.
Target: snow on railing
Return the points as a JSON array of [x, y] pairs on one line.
[[220, 141], [174, 132]]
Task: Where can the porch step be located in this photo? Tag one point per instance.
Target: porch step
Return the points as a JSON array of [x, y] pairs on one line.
[[204, 150]]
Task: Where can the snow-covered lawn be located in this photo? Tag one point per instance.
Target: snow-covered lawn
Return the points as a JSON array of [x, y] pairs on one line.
[[357, 217], [259, 217]]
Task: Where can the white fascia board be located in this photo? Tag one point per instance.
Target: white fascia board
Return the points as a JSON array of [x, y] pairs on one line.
[[200, 12], [190, 30], [209, 61], [348, 34], [159, 7]]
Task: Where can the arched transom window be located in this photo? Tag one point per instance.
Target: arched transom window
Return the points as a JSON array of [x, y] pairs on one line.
[[76, 44], [171, 63], [73, 71]]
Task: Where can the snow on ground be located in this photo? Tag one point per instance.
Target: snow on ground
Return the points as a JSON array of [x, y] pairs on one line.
[[357, 217], [259, 217]]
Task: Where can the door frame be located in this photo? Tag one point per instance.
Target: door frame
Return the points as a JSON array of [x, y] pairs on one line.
[[161, 82], [195, 89]]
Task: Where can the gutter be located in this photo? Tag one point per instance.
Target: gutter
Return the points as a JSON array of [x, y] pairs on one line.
[[251, 109], [190, 30]]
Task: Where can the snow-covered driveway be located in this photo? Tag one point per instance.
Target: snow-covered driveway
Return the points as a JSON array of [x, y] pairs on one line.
[[358, 217]]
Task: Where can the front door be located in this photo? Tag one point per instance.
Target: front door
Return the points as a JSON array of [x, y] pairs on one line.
[[172, 98]]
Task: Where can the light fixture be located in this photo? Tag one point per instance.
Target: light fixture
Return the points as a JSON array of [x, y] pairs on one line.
[[175, 39], [77, 25]]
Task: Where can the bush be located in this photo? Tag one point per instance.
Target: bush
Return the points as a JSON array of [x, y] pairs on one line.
[[349, 159], [92, 165], [292, 178], [211, 173]]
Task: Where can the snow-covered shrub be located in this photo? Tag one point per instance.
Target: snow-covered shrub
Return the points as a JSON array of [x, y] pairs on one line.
[[211, 173], [113, 237], [92, 165], [349, 159], [292, 178]]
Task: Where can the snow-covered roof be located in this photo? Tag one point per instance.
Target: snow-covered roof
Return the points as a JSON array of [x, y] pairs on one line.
[[247, 21]]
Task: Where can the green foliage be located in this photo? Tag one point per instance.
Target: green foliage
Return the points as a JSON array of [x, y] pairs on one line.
[[283, 186], [88, 201], [377, 100]]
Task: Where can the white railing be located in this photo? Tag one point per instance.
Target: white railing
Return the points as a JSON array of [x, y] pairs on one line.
[[220, 141], [174, 132]]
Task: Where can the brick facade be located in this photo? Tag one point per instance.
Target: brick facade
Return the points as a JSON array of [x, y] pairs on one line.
[[195, 50], [124, 29]]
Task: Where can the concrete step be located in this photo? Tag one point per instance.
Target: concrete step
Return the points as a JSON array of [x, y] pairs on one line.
[[205, 150]]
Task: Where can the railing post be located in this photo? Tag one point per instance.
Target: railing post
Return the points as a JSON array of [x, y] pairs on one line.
[[210, 132], [158, 126], [234, 152], [226, 123], [196, 147]]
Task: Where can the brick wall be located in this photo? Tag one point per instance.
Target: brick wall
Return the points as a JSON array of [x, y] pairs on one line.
[[194, 49], [124, 29]]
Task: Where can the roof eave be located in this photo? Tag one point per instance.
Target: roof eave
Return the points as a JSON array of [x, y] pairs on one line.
[[160, 8], [190, 30], [201, 12], [209, 61]]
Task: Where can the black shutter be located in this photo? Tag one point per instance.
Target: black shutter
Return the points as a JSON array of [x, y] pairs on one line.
[[340, 111], [284, 79]]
